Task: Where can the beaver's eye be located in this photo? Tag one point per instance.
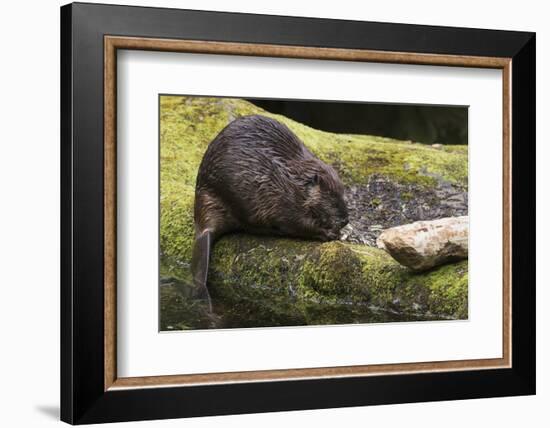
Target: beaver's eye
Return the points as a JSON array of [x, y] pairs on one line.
[[313, 181]]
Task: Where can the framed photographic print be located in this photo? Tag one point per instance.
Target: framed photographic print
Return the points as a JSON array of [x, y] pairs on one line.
[[265, 213]]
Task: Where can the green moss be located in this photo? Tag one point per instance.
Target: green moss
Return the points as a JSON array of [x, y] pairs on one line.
[[448, 287], [375, 201], [406, 196], [459, 149], [331, 270], [298, 274]]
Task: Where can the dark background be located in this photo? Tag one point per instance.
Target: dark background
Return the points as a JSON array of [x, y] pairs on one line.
[[418, 123]]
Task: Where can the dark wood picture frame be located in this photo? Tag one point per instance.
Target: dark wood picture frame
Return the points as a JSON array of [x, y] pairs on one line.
[[90, 37]]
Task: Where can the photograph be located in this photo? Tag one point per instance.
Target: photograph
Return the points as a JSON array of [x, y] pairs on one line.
[[279, 212]]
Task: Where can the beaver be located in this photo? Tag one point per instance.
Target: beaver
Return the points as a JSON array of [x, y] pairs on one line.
[[258, 177]]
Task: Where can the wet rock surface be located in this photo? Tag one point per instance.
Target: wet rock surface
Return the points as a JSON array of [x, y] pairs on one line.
[[382, 203]]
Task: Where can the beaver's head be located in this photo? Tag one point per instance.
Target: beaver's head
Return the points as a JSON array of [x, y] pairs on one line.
[[324, 203]]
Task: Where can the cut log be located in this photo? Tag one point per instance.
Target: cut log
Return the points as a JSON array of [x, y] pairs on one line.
[[425, 244]]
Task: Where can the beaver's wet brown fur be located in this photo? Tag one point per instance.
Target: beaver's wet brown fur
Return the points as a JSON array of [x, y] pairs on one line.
[[258, 177]]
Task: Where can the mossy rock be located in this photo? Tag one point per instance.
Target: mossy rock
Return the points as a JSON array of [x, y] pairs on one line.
[[283, 272], [259, 281]]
